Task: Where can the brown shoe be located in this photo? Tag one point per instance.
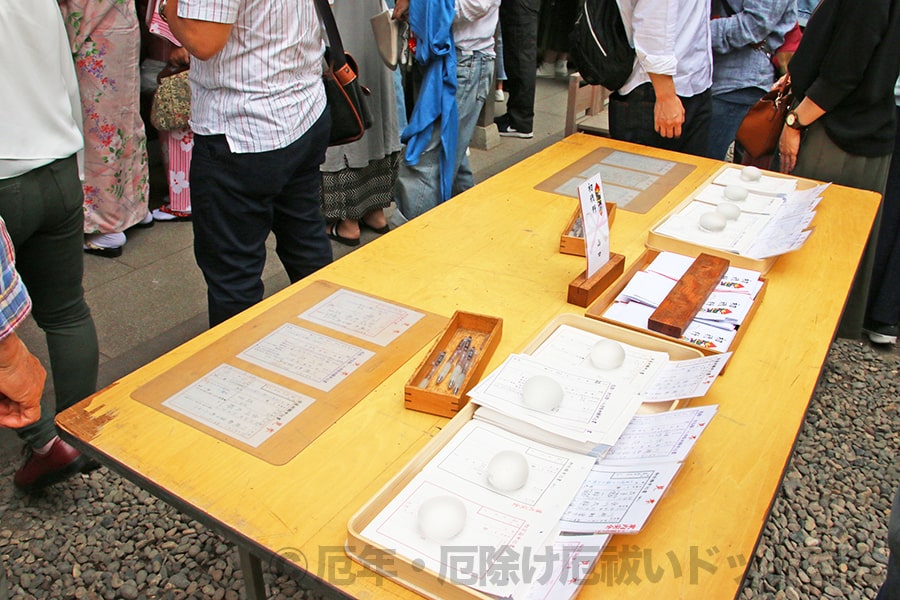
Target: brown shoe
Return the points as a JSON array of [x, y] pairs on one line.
[[41, 470]]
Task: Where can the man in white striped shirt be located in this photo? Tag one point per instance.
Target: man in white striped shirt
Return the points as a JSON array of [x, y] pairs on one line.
[[261, 129], [666, 103]]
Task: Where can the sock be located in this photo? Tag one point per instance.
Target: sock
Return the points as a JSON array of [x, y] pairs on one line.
[[46, 447]]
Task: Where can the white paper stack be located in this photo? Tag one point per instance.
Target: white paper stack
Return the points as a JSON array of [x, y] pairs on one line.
[[497, 525], [596, 405], [626, 485], [715, 326], [594, 410], [774, 217]]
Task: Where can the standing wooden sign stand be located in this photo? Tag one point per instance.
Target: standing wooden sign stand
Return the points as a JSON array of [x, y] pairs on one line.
[[584, 290]]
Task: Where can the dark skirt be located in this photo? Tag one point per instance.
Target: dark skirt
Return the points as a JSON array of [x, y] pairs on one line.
[[555, 23], [352, 193]]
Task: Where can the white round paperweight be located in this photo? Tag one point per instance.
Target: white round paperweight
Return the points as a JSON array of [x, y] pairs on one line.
[[736, 193], [728, 210], [442, 518], [712, 221], [542, 393], [507, 471], [607, 355], [751, 173]]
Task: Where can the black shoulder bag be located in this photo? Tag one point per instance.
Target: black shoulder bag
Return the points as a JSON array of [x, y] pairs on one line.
[[350, 116]]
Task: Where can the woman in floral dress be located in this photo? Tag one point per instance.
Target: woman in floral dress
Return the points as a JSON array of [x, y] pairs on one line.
[[105, 40]]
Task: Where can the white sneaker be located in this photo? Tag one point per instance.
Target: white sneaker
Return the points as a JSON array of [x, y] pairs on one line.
[[498, 96], [881, 333], [546, 71], [561, 69], [510, 131]]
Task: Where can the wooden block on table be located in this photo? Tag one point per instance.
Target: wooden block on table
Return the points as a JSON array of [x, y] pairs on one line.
[[682, 304], [584, 290]]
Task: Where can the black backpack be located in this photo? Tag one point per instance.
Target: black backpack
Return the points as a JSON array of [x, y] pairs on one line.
[[598, 46]]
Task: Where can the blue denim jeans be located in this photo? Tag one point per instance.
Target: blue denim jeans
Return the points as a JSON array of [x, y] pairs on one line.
[[418, 186], [728, 110]]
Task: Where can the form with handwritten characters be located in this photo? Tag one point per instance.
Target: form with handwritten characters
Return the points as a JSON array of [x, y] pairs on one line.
[[306, 356], [239, 404], [362, 316]]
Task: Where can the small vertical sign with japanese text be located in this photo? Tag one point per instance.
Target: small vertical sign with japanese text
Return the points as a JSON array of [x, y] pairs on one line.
[[596, 223]]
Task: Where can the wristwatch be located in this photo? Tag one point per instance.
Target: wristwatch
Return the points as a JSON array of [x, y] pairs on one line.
[[793, 121], [162, 11]]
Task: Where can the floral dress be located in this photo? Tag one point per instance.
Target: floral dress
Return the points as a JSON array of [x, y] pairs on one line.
[[178, 144], [105, 39]]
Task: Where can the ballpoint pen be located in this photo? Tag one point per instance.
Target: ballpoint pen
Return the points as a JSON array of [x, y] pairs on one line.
[[457, 369], [461, 347], [459, 377], [434, 366]]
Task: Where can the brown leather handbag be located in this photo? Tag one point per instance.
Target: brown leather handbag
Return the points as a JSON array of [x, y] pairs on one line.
[[761, 127]]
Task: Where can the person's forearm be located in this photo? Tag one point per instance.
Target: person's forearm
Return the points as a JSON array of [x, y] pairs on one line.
[[668, 113], [663, 86], [202, 39], [808, 111]]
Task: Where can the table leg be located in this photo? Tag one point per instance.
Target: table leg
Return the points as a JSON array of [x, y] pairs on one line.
[[251, 568]]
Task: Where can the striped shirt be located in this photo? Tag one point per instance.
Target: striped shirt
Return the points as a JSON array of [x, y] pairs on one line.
[[14, 300], [264, 89]]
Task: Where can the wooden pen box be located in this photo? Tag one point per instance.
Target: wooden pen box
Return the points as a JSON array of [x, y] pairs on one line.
[[596, 310], [570, 244], [424, 393]]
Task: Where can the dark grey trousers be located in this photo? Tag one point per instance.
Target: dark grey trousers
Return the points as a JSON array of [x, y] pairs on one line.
[[822, 159], [519, 23], [44, 216]]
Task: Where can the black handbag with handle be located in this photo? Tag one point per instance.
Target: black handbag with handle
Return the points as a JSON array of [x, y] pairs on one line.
[[350, 115]]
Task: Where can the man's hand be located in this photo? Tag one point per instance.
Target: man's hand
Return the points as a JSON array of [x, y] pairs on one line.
[[401, 10], [668, 116], [179, 57], [668, 112], [21, 383]]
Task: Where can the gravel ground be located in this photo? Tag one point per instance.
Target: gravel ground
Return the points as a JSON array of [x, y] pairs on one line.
[[100, 537]]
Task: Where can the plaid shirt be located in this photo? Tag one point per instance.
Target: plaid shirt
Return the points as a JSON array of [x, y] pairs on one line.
[[14, 300]]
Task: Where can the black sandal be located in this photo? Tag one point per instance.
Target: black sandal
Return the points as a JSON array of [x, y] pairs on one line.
[[378, 230], [333, 234]]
